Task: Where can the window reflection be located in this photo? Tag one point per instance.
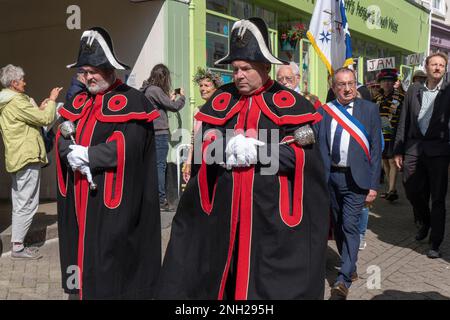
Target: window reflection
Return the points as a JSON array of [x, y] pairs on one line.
[[216, 48], [218, 5]]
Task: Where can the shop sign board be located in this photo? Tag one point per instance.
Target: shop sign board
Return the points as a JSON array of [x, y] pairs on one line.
[[415, 59], [380, 63]]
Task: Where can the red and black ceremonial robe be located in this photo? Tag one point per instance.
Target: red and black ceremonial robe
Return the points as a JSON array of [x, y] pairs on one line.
[[110, 238], [243, 233]]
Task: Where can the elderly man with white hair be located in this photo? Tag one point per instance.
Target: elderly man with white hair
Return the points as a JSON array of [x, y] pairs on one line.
[[289, 76], [20, 126]]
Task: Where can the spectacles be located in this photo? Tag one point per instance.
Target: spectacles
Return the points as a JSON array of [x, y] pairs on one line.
[[288, 79], [342, 85]]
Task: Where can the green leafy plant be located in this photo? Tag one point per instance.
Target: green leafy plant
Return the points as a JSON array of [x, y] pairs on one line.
[[292, 34]]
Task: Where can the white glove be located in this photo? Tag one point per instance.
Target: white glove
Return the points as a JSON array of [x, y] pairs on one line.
[[78, 156], [251, 155], [86, 171], [235, 147], [241, 151]]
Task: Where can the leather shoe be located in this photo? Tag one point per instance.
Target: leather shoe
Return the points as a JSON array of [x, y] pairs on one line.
[[392, 196], [422, 233], [339, 291], [164, 205], [354, 276], [433, 254]]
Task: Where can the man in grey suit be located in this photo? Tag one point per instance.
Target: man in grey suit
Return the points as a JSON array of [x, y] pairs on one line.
[[350, 144], [422, 149]]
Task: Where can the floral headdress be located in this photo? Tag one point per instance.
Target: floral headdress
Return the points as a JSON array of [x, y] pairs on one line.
[[207, 74]]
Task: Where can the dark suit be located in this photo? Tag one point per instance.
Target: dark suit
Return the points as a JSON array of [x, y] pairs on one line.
[[426, 158], [350, 186]]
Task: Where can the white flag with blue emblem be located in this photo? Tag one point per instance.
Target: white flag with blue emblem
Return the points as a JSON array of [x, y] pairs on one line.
[[329, 34]]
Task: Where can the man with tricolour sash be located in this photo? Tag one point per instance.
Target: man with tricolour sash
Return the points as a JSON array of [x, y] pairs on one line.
[[350, 142]]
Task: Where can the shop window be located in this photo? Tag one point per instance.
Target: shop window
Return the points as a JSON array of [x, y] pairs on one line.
[[217, 25], [304, 66], [357, 47], [216, 48], [266, 15], [218, 30], [371, 51], [241, 9], [221, 6]]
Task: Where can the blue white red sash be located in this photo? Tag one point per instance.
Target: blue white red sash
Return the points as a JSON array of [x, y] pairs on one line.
[[350, 124]]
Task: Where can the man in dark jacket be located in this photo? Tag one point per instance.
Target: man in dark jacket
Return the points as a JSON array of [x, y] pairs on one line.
[[109, 237], [422, 149], [243, 231], [350, 142]]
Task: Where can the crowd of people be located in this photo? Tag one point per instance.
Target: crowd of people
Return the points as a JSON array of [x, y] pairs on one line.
[[270, 171]]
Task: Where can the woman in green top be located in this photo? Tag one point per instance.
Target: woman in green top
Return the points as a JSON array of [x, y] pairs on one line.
[[20, 126]]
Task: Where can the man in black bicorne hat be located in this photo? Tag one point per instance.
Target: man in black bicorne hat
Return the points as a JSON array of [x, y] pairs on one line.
[[247, 228], [109, 237]]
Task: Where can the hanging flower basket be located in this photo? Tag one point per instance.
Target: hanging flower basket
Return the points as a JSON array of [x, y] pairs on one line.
[[289, 36]]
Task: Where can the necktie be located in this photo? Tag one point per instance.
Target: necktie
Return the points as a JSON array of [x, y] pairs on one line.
[[336, 150]]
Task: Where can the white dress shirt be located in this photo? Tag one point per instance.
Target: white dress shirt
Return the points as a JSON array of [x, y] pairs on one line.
[[426, 109], [345, 140]]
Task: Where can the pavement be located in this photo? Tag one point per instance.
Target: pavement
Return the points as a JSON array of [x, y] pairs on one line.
[[41, 279], [392, 267], [43, 227]]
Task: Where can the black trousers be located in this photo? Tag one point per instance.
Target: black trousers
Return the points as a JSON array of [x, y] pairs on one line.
[[424, 178]]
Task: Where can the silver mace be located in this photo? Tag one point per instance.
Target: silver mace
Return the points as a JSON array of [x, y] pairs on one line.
[[67, 129], [303, 136]]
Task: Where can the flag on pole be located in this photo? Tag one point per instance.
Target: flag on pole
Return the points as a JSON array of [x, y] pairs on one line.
[[329, 34]]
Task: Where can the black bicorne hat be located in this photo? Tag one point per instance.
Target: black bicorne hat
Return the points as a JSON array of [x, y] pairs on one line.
[[249, 41], [96, 50]]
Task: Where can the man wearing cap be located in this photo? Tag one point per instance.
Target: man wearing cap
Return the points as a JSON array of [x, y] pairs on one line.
[[389, 101], [247, 228], [109, 237], [419, 76], [422, 150]]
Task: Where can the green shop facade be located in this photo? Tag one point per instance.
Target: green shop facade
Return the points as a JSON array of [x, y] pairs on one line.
[[379, 29]]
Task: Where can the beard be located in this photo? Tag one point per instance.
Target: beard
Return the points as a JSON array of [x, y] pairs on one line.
[[95, 87]]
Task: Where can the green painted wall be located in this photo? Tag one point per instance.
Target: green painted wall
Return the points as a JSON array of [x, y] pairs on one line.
[[412, 22], [198, 59], [178, 62], [402, 24]]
